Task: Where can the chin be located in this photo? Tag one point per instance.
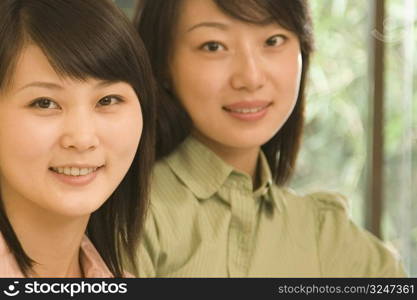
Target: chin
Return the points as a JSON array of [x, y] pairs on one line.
[[74, 208], [246, 141], [242, 143]]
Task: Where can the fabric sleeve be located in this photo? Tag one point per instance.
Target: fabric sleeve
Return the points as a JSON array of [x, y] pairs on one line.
[[344, 249]]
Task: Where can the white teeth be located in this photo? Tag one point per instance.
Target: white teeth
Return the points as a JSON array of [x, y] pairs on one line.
[[73, 171], [84, 171], [247, 110]]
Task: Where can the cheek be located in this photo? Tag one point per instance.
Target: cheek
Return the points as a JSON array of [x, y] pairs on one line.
[[285, 77], [25, 140], [122, 135], [291, 74], [195, 86], [26, 148]]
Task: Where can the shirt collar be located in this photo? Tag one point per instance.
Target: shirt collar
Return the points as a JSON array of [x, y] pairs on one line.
[[91, 261], [204, 173], [266, 190], [200, 169], [265, 176]]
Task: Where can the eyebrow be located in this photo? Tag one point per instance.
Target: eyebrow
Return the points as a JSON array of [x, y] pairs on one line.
[[217, 25], [55, 86], [222, 26]]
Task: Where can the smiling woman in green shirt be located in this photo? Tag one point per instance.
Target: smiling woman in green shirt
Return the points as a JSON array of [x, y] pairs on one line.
[[232, 77]]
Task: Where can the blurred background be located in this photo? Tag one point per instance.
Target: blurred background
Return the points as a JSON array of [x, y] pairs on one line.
[[361, 131]]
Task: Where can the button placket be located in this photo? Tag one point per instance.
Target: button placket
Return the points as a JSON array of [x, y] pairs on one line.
[[241, 229]]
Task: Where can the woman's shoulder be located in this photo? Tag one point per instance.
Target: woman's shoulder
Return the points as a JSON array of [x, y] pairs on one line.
[[316, 202], [312, 209], [329, 201], [344, 248]]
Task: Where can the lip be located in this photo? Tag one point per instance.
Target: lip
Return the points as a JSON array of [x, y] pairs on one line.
[[81, 180], [261, 106], [80, 166], [247, 104]]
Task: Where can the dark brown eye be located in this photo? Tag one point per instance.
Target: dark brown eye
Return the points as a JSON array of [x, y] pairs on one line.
[[45, 103], [212, 46], [275, 40], [109, 100]]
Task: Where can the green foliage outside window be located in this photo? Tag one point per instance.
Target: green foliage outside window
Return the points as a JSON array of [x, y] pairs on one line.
[[333, 155], [334, 150]]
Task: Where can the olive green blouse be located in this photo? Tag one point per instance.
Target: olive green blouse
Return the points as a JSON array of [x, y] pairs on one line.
[[205, 220]]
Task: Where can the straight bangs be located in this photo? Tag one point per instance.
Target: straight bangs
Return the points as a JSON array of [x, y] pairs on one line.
[[79, 43], [251, 11], [10, 31]]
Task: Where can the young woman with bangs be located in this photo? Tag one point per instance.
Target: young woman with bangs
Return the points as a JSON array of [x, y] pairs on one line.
[[76, 138]]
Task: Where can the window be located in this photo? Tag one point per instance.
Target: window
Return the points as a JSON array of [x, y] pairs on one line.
[[400, 188], [336, 153], [333, 154]]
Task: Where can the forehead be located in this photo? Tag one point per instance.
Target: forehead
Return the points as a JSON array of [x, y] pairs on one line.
[[31, 65], [196, 11]]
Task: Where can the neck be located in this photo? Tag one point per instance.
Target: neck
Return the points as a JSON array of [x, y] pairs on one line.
[[52, 242], [242, 159]]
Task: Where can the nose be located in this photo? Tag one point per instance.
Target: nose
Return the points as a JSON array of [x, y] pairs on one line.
[[249, 72], [79, 132]]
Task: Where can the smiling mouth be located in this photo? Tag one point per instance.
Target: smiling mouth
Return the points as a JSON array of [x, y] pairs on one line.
[[247, 107], [246, 110], [74, 171]]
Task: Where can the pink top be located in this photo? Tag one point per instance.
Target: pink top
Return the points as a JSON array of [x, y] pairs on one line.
[[91, 261]]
